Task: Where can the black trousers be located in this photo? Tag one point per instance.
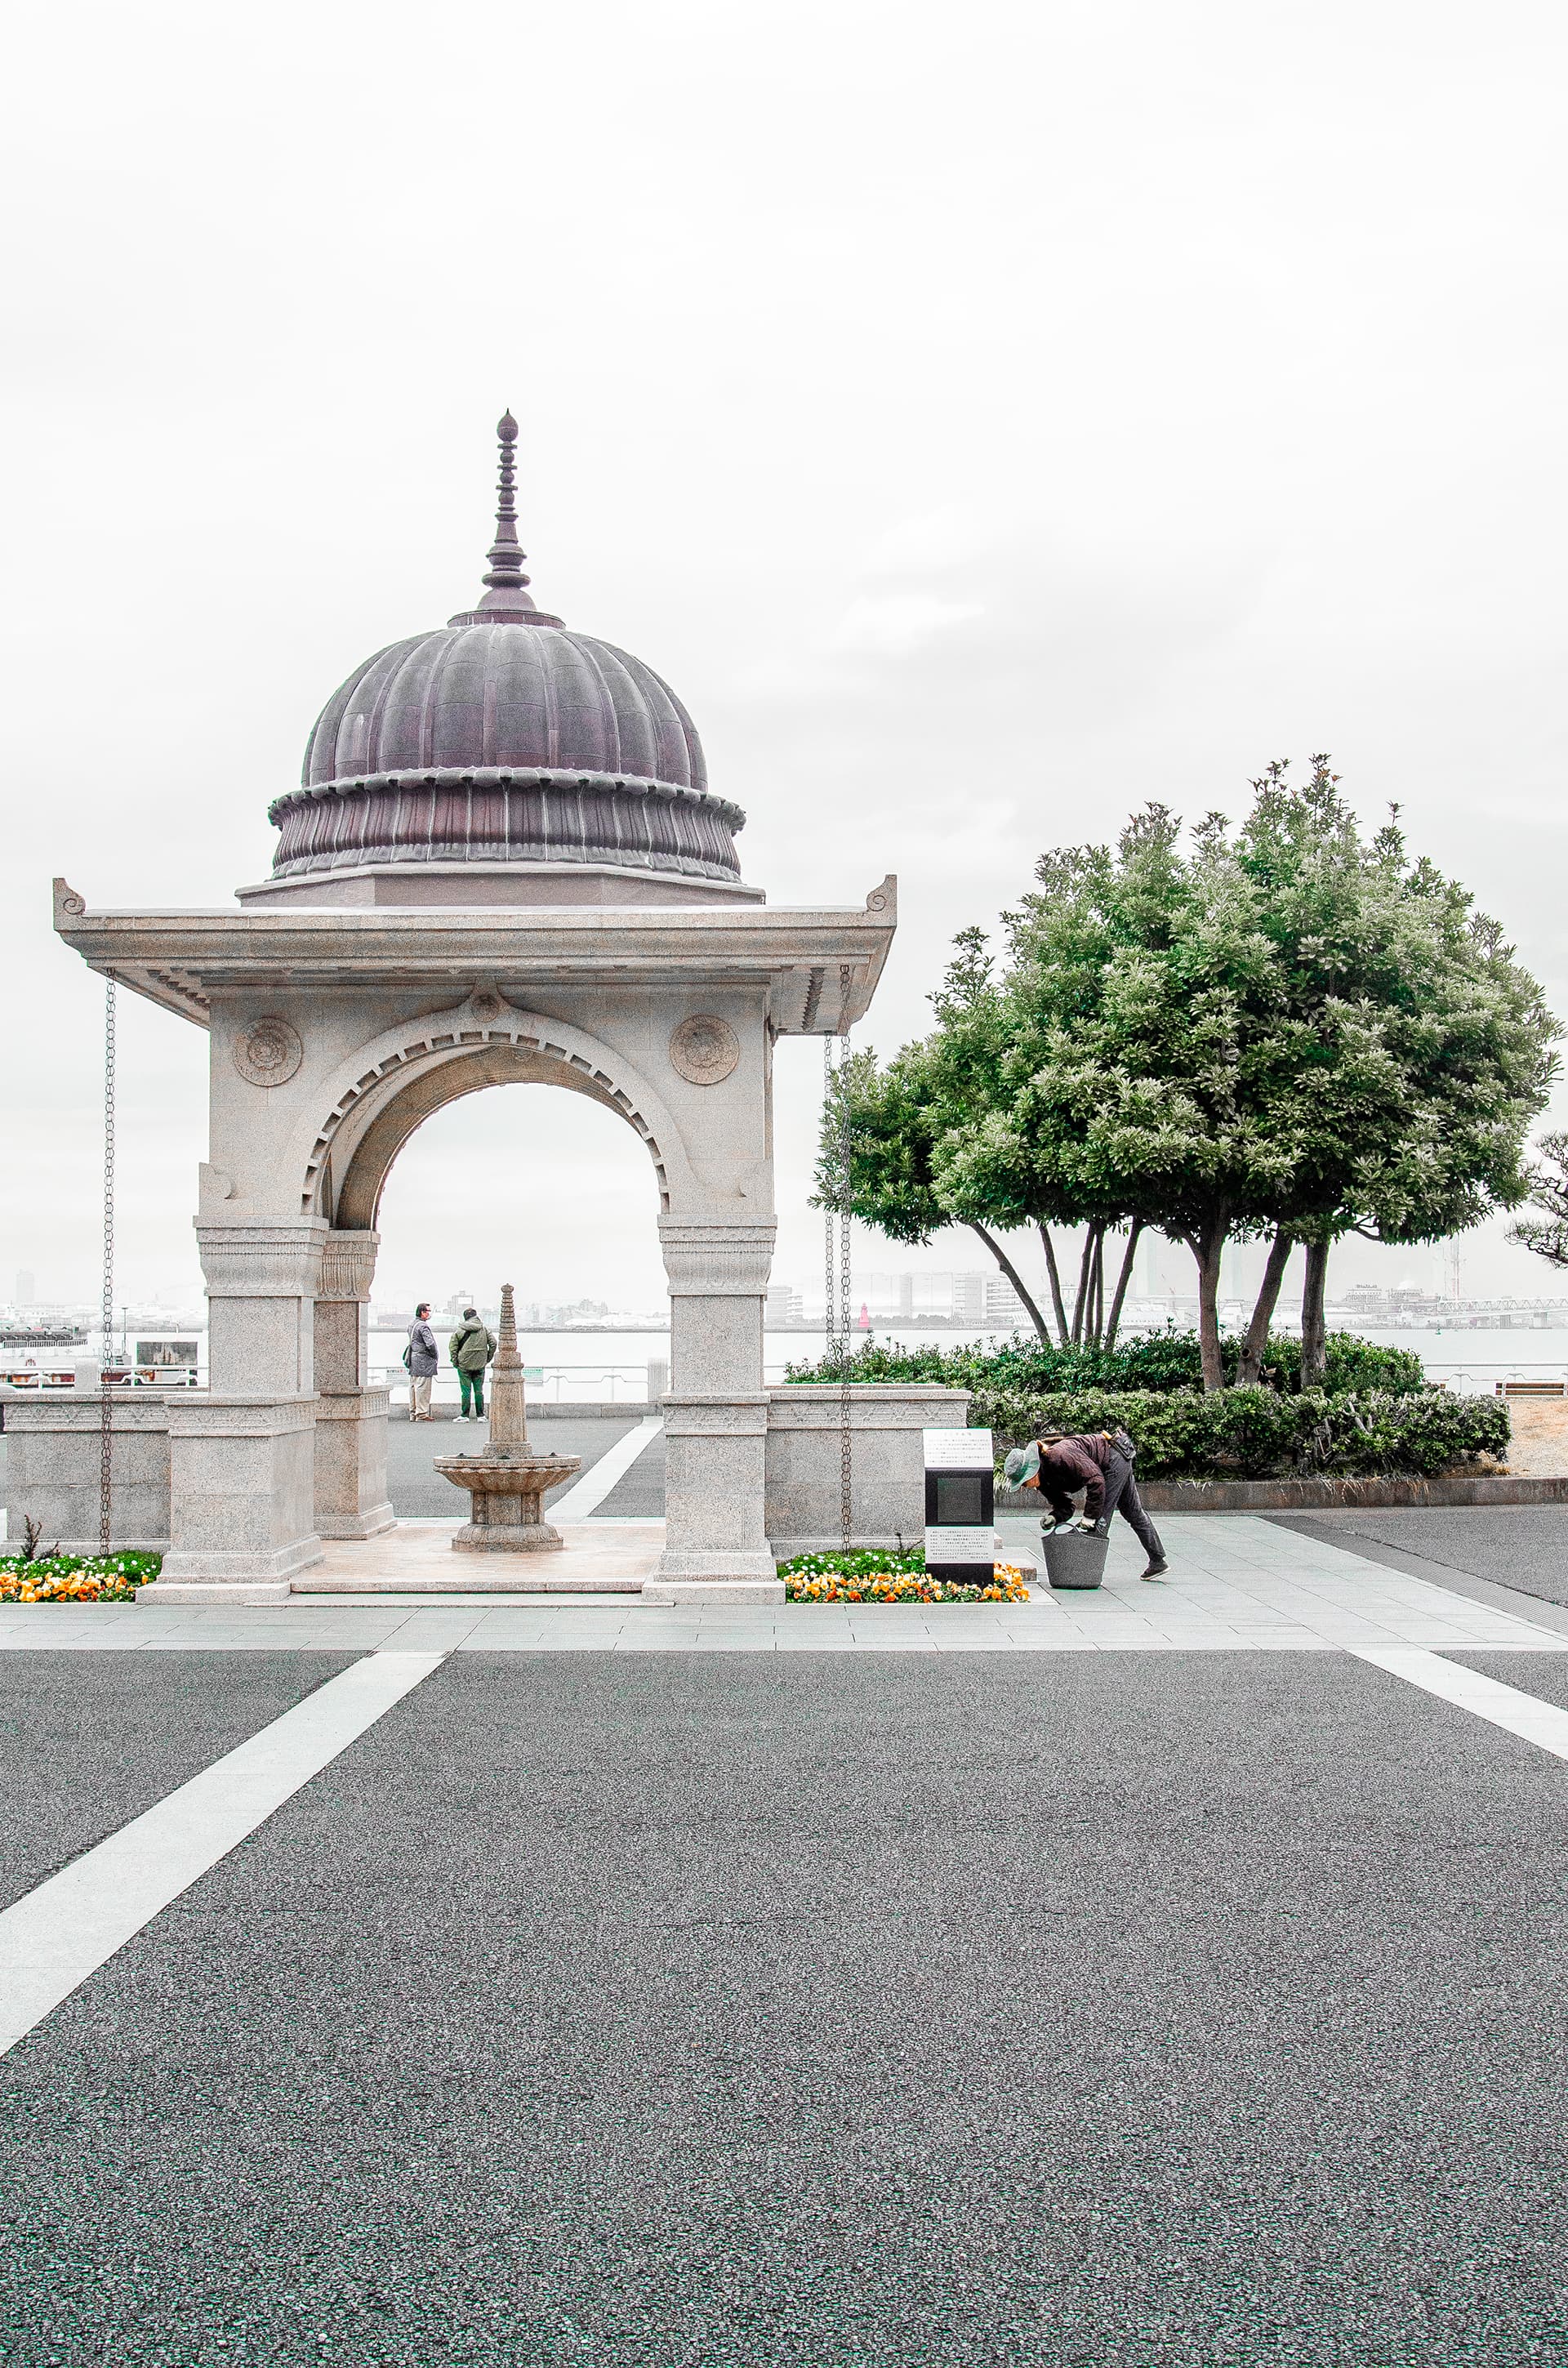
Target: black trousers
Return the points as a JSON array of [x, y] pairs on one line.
[[1121, 1497]]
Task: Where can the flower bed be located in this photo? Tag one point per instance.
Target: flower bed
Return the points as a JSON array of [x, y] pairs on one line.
[[75, 1578], [868, 1578]]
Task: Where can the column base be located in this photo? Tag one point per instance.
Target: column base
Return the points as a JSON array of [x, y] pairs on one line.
[[196, 1574], [215, 1593], [684, 1576], [507, 1537], [371, 1524]]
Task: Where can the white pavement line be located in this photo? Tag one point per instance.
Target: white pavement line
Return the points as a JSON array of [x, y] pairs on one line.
[[55, 1937], [595, 1485], [1505, 1706]]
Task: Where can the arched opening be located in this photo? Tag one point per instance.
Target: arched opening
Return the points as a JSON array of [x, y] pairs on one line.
[[417, 1069], [552, 1192], [362, 1176]]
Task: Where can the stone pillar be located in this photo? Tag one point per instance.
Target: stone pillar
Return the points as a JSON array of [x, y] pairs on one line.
[[242, 1455], [261, 1286], [351, 1415], [716, 1545]]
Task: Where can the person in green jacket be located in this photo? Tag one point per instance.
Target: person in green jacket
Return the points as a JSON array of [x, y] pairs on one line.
[[470, 1347]]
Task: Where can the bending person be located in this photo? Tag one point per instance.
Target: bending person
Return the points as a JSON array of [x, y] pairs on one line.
[[1101, 1465]]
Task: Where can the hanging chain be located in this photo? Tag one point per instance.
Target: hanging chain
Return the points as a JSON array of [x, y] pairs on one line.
[[830, 1251], [846, 1447], [105, 1416]]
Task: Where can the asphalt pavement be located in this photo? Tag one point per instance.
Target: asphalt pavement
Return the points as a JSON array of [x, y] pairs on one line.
[[686, 2009], [1521, 1547], [89, 1740]]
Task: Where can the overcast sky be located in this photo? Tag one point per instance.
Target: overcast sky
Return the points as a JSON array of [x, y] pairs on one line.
[[986, 418]]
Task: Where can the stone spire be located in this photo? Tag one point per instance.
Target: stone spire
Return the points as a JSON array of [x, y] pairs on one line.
[[507, 599], [505, 554], [508, 1405]]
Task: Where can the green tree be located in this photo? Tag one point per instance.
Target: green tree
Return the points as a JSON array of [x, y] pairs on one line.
[[1284, 1031], [1409, 1045], [1548, 1191]]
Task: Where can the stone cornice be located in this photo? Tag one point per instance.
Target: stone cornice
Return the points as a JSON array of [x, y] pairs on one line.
[[820, 965]]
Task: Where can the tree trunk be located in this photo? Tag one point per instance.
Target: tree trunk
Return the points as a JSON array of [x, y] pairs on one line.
[[1208, 1248], [1314, 1334], [1123, 1279], [1052, 1270], [1014, 1277], [1083, 1306], [1249, 1369]]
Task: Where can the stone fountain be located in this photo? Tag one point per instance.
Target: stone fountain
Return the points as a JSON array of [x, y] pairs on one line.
[[507, 1479]]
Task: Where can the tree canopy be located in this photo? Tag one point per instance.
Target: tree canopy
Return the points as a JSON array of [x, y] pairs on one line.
[[1284, 1028]]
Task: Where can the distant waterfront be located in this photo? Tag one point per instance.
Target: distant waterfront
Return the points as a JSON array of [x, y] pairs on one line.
[[582, 1364]]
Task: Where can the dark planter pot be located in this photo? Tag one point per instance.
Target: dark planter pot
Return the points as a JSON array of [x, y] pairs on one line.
[[1075, 1559]]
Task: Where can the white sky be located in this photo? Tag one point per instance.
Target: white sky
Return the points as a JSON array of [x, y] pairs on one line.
[[985, 419]]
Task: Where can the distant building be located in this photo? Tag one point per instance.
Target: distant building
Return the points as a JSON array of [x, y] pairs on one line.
[[783, 1305], [27, 1287], [1004, 1311], [969, 1297]]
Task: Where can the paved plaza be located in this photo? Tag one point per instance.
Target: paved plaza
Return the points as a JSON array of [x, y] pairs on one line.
[[1165, 1974]]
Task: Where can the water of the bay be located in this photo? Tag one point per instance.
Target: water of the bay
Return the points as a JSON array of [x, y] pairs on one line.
[[587, 1365]]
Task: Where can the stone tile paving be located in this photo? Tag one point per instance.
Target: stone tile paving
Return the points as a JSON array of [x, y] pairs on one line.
[[1237, 1584]]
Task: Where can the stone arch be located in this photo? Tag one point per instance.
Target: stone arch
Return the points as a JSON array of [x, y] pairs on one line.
[[388, 1090]]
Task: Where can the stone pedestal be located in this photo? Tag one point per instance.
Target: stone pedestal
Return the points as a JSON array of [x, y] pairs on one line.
[[241, 1492]]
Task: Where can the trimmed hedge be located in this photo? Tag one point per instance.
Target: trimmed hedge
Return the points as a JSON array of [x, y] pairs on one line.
[[1259, 1434], [1159, 1361]]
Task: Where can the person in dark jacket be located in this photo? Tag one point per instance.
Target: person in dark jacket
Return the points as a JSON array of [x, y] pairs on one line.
[[422, 1357], [470, 1347], [1099, 1463]]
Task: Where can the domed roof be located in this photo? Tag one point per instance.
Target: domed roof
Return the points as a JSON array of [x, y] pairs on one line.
[[505, 693], [501, 738]]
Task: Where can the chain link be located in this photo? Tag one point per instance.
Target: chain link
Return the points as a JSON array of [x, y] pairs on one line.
[[106, 1415], [845, 1442]]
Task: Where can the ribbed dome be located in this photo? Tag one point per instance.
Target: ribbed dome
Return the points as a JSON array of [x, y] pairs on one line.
[[504, 695], [500, 738]]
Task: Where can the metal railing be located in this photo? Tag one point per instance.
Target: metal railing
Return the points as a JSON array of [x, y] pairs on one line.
[[554, 1384], [1481, 1378]]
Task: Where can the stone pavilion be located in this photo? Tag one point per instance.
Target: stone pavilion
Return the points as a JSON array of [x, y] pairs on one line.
[[503, 863]]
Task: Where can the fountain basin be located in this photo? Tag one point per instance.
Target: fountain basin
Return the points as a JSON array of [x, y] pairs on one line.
[[504, 1492]]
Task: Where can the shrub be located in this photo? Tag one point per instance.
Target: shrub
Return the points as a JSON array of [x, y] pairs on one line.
[[1258, 1434], [1157, 1360]]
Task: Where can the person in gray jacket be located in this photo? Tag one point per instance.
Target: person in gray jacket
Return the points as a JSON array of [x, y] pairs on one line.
[[422, 1357]]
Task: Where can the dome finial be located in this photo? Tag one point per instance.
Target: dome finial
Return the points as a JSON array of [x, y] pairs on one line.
[[506, 598], [506, 553]]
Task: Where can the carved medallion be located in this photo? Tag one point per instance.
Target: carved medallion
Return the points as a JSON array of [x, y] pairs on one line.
[[704, 1049], [268, 1053]]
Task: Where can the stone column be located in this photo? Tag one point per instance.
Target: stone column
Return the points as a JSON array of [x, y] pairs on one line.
[[351, 1414], [242, 1455], [716, 1545]]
